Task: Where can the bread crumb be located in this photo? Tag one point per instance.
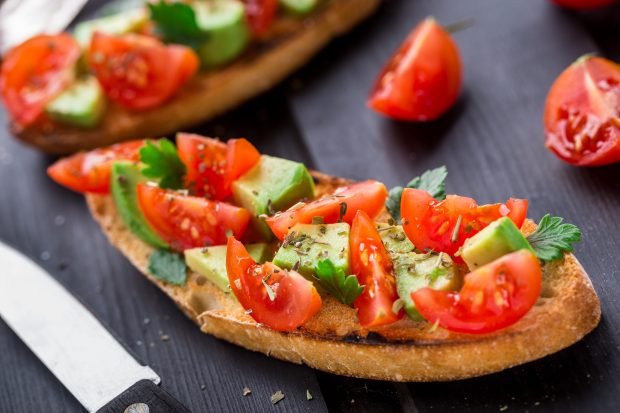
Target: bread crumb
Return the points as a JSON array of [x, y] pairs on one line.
[[246, 391]]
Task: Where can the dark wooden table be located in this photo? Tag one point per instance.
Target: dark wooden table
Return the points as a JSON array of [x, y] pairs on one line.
[[493, 145]]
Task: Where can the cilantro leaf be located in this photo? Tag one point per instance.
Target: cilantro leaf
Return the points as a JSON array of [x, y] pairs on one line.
[[162, 162], [176, 22], [553, 237], [345, 288], [168, 266], [432, 181]]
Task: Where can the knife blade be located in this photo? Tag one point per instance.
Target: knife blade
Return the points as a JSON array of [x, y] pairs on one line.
[[73, 344]]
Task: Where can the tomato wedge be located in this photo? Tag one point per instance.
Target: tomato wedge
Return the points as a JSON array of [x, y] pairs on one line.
[[494, 296], [89, 172], [583, 4], [581, 113], [443, 226], [368, 196], [372, 266], [260, 15], [187, 222], [139, 72], [35, 72], [291, 301], [212, 165], [422, 80]]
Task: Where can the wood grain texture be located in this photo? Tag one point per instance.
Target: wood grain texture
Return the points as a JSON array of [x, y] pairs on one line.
[[492, 143]]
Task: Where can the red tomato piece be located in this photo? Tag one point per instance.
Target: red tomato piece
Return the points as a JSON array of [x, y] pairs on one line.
[[582, 126], [293, 301], [583, 4], [89, 172], [35, 72], [494, 296], [443, 226], [137, 71], [187, 222], [212, 166], [260, 15], [423, 79], [372, 266], [368, 196]]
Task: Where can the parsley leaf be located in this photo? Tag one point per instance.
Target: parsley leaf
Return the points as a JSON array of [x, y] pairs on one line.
[[553, 237], [345, 288], [432, 181], [176, 22], [162, 162], [168, 266]]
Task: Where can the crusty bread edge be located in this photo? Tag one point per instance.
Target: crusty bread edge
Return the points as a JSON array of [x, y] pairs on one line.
[[567, 310], [209, 94]]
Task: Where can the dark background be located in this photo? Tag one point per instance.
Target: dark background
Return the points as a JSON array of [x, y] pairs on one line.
[[492, 142]]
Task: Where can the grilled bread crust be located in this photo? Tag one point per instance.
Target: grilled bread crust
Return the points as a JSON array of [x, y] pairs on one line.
[[289, 45], [333, 341]]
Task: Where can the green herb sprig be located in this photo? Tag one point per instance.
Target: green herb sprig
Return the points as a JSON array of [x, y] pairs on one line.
[[432, 181], [553, 238], [176, 22], [345, 288], [162, 162], [168, 266]]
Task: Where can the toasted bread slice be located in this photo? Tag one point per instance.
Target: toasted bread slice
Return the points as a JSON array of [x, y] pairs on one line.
[[333, 341], [290, 44]]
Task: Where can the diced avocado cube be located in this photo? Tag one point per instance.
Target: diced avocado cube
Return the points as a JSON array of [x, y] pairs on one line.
[[82, 104], [299, 7], [125, 177], [310, 243], [116, 24], [394, 238], [272, 185], [211, 261], [499, 238], [226, 31]]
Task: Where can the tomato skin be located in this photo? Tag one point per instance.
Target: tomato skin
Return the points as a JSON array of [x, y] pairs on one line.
[[296, 300], [372, 266], [581, 120], [187, 222], [212, 166], [423, 78], [260, 15], [493, 297], [430, 224], [368, 196], [89, 172], [139, 72], [35, 72], [583, 4]]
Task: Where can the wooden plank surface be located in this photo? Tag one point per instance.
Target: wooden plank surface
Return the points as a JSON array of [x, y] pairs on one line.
[[492, 143]]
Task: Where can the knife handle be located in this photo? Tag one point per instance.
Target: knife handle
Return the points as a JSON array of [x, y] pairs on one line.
[[144, 392]]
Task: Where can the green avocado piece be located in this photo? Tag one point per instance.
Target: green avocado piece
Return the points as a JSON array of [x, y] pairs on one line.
[[499, 238], [414, 271], [116, 24], [310, 243], [211, 261], [273, 184], [226, 30], [125, 177], [82, 104], [299, 7]]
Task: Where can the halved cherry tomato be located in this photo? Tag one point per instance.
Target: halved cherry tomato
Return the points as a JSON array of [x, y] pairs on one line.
[[89, 172], [581, 113], [293, 301], [583, 4], [423, 79], [35, 72], [368, 196], [443, 226], [260, 15], [212, 165], [140, 72], [372, 266], [494, 296], [188, 221]]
